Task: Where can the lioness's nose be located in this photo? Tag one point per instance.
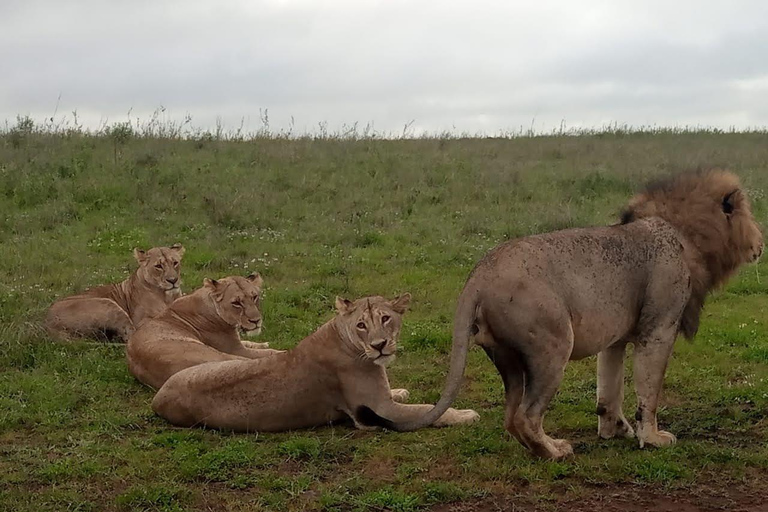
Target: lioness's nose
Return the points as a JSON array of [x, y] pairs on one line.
[[379, 345], [172, 280], [258, 323]]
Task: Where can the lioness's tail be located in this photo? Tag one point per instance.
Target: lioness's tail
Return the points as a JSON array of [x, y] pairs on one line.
[[463, 322]]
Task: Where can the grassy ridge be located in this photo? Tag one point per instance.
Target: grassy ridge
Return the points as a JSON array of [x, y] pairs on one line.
[[320, 218]]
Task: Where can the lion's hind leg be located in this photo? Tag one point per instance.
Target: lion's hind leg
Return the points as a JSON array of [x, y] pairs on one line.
[[610, 393], [89, 316], [536, 343], [509, 365]]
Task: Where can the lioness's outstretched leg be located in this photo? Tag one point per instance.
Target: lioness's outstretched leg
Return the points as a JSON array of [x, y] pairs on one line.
[[256, 353], [650, 363], [88, 316], [610, 393], [401, 413]]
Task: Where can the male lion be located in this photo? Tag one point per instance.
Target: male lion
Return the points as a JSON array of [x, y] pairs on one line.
[[115, 310], [334, 373], [199, 328], [538, 301]]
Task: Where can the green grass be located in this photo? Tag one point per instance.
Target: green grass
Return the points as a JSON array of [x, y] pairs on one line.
[[350, 217]]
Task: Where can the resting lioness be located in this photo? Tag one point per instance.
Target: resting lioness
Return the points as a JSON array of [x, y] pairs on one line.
[[538, 301], [336, 372], [114, 311], [198, 328]]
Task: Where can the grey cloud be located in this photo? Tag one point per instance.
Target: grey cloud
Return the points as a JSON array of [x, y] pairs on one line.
[[484, 65]]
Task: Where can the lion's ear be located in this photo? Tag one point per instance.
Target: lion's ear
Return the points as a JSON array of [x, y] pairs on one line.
[[400, 304], [179, 249], [343, 305], [211, 284], [140, 255], [256, 279], [729, 202]]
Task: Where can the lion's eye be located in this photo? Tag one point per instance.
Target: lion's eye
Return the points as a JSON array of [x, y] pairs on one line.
[[385, 319], [175, 264], [361, 326], [159, 266], [237, 304]]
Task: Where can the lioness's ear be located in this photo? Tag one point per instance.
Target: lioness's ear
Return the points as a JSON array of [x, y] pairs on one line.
[[256, 279], [211, 283], [343, 305], [140, 255], [179, 249], [400, 304]]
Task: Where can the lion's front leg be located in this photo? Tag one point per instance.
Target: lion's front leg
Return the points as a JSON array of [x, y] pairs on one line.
[[610, 393], [650, 363]]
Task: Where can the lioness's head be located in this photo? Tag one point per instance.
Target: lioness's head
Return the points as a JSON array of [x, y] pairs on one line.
[[160, 267], [237, 300], [712, 210], [372, 325]]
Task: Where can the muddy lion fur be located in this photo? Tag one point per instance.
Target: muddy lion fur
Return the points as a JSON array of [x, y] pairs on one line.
[[536, 302]]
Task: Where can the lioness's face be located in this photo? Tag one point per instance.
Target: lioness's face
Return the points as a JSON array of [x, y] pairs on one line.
[[372, 325], [161, 266], [238, 301]]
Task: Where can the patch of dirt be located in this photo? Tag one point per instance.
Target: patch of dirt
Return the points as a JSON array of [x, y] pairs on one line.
[[627, 498]]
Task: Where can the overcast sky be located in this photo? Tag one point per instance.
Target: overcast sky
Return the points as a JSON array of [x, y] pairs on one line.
[[474, 66]]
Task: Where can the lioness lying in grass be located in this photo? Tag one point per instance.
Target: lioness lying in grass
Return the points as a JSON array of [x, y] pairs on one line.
[[336, 372], [113, 311], [199, 328]]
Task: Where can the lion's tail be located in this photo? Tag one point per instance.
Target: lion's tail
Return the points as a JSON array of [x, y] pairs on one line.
[[466, 312]]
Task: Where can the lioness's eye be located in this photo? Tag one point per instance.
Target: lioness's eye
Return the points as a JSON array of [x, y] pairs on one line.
[[236, 303], [385, 319], [361, 326], [175, 263], [159, 266]]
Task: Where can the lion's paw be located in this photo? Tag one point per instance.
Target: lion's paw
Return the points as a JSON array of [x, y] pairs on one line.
[[399, 395], [563, 448], [659, 438], [609, 428]]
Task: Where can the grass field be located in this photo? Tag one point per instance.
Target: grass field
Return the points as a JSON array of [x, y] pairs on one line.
[[326, 217]]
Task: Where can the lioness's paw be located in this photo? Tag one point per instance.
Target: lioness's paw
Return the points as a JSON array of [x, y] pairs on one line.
[[466, 416], [253, 344], [456, 417], [658, 439], [399, 395]]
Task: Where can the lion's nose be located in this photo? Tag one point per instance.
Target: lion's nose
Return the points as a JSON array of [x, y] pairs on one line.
[[379, 345], [172, 280], [258, 323]]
